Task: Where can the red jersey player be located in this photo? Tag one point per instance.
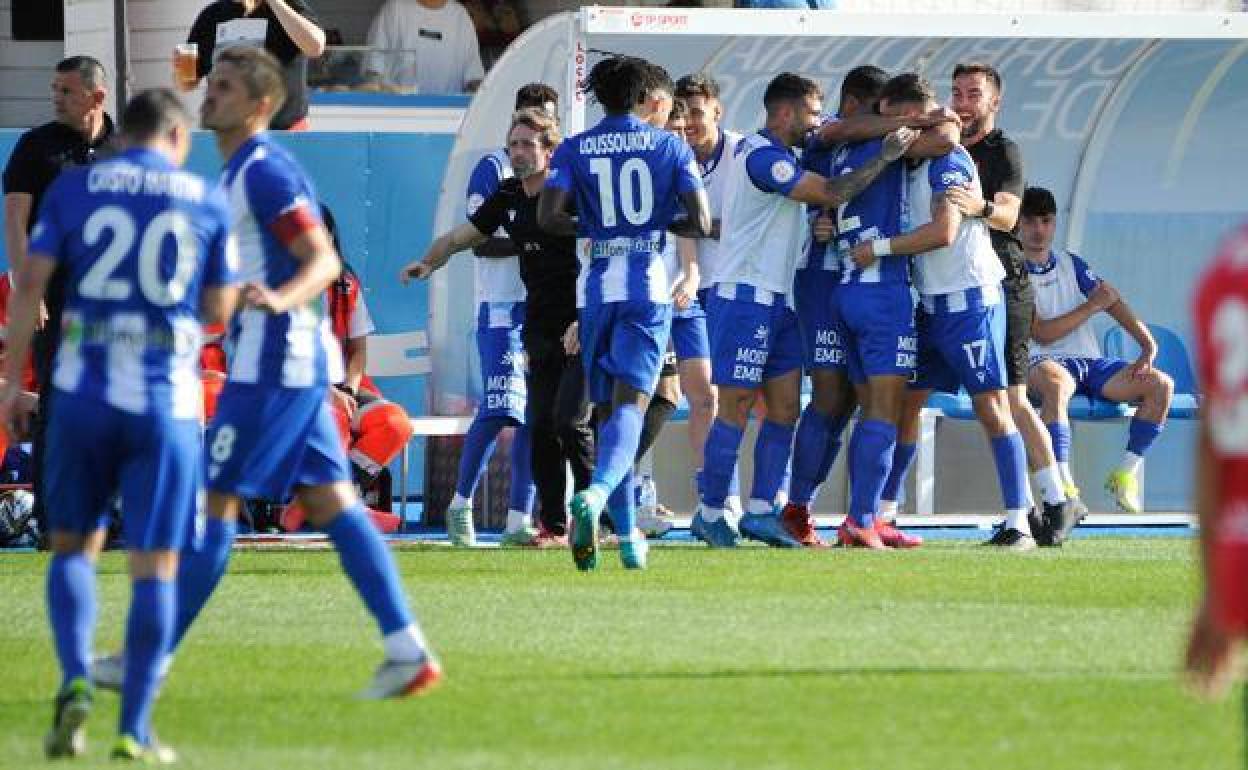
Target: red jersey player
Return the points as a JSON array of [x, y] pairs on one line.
[[1221, 323]]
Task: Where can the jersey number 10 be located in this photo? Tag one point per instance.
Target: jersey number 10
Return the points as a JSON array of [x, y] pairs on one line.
[[636, 187]]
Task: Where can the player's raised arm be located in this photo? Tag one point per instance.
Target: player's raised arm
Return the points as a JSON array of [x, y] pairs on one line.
[[820, 191]]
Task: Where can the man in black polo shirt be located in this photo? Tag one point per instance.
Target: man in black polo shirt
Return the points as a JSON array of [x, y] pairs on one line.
[[81, 132], [976, 100], [285, 28], [558, 402]]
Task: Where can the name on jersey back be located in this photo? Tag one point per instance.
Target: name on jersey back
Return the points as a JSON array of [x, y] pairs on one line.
[[134, 180], [617, 142]]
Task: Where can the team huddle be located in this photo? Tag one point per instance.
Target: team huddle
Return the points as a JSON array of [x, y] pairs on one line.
[[886, 252]]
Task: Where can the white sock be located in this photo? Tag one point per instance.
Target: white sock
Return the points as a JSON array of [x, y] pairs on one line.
[[888, 511], [733, 503], [1131, 463], [406, 645], [782, 498], [1068, 478], [1016, 518], [1050, 482], [518, 520], [711, 514], [756, 507], [458, 501]]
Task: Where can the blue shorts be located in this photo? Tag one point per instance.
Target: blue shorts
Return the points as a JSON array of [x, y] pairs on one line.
[[813, 295], [623, 341], [689, 338], [752, 342], [964, 349], [95, 451], [875, 324], [1090, 374], [265, 441], [501, 351]]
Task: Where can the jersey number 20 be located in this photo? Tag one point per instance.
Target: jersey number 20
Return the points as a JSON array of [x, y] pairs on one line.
[[100, 283]]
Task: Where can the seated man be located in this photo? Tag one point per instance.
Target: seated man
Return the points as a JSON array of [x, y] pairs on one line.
[[1067, 358]]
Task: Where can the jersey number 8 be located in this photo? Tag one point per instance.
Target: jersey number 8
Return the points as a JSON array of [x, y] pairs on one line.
[[99, 283]]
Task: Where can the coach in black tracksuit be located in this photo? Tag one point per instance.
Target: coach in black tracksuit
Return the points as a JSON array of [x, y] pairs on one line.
[[558, 398]]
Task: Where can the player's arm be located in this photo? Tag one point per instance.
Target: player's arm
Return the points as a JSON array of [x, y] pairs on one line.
[[24, 303], [463, 237], [1008, 201], [698, 224], [17, 213], [1121, 312], [818, 190], [319, 265], [1102, 297], [552, 212], [355, 355], [936, 234], [217, 304], [867, 126], [684, 292]]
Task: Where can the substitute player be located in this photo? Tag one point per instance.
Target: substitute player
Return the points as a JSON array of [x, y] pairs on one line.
[[1068, 359], [756, 344], [273, 432], [627, 179], [146, 250]]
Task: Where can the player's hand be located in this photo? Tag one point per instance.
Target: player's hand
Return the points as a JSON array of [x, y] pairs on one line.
[[263, 298], [17, 410], [420, 270], [862, 255], [897, 142], [1104, 296], [41, 318], [938, 116], [823, 228], [965, 201], [684, 293], [344, 401], [572, 339], [1143, 366], [1210, 652]]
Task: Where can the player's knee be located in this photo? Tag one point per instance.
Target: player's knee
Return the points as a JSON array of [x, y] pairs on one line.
[[1161, 386]]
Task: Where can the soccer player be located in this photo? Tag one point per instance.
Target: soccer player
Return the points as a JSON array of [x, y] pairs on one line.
[[1068, 359], [500, 326], [548, 267], [273, 432], [839, 145], [1220, 316], [146, 250], [959, 320], [627, 178], [755, 342], [715, 148]]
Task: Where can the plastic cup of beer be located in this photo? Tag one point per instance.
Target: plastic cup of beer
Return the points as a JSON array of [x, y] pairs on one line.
[[185, 65]]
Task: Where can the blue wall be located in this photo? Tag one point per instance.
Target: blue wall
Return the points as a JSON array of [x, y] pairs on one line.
[[383, 190]]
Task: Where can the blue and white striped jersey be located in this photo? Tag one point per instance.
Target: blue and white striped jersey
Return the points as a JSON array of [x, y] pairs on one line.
[[819, 255], [497, 278], [627, 178], [1061, 285], [876, 212], [139, 240], [272, 202]]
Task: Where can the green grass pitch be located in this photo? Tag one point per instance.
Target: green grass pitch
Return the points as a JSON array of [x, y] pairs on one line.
[[949, 658]]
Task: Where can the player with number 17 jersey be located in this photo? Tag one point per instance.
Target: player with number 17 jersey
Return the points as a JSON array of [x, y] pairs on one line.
[[873, 311]]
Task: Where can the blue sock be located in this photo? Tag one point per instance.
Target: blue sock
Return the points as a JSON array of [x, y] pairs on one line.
[[1140, 435], [810, 450], [719, 469], [71, 610], [200, 568], [149, 634], [903, 458], [522, 488], [478, 446], [1060, 433], [617, 445], [622, 508], [370, 566], [870, 459], [1010, 455], [772, 450]]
